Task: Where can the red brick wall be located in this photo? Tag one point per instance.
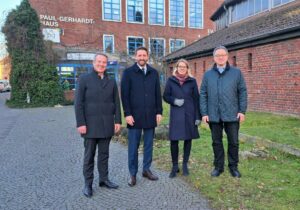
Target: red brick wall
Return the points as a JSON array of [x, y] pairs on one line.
[[274, 81], [91, 36]]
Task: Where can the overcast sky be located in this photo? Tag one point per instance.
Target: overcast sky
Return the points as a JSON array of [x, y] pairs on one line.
[[5, 7]]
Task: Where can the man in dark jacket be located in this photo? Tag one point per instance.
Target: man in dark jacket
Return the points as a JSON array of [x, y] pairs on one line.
[[223, 103], [98, 117], [142, 104]]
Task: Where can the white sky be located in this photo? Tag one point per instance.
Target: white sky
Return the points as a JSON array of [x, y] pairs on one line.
[[5, 7]]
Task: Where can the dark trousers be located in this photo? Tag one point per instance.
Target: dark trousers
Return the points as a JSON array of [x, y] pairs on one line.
[[232, 132], [186, 151], [90, 145], [134, 138]]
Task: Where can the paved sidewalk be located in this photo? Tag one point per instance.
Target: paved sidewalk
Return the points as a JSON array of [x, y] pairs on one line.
[[41, 168]]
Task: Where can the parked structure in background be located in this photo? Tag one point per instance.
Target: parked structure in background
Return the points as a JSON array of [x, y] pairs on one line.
[[263, 38]]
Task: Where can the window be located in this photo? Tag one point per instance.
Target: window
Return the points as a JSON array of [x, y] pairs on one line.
[[108, 44], [195, 13], [176, 44], [135, 11], [133, 43], [177, 13], [195, 68], [249, 61], [204, 66], [157, 12], [111, 10], [157, 48], [234, 60], [279, 2]]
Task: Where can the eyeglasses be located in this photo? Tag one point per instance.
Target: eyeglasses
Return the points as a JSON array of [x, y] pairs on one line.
[[220, 55], [182, 67]]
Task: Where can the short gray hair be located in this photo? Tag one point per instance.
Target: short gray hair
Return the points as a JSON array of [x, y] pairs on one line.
[[102, 54], [219, 48]]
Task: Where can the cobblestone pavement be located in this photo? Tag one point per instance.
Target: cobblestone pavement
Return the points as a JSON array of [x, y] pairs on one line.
[[41, 168]]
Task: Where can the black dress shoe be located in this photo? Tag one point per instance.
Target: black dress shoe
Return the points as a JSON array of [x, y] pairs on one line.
[[235, 173], [87, 191], [216, 172], [132, 181], [108, 184], [149, 175], [174, 172]]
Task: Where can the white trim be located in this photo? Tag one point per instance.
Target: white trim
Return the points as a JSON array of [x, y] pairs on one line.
[[164, 15], [159, 38], [103, 19], [143, 15], [176, 40], [183, 15], [113, 42], [202, 26], [133, 37]]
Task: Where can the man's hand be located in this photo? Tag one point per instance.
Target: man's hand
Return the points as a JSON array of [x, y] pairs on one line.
[[82, 129], [117, 128], [205, 119], [158, 118], [241, 117], [129, 120]]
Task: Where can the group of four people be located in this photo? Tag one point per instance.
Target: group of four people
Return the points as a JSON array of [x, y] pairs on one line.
[[222, 103]]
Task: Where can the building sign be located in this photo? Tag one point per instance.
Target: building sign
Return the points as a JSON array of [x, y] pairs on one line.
[[52, 34], [53, 21], [80, 56]]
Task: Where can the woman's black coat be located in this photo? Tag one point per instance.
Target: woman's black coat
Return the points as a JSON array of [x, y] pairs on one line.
[[182, 119]]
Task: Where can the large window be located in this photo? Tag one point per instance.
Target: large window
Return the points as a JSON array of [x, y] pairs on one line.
[[279, 2], [177, 13], [133, 43], [248, 8], [111, 10], [195, 13], [135, 11], [157, 12], [176, 44], [157, 47], [108, 43]]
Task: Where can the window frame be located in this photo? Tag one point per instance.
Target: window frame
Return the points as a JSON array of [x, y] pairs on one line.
[[183, 14], [164, 15], [202, 25], [171, 39], [113, 42], [157, 38], [127, 43], [143, 14], [103, 17]]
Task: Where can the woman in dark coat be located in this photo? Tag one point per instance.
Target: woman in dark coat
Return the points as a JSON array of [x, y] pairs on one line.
[[181, 92]]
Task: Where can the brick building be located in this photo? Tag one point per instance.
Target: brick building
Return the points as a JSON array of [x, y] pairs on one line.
[[120, 26], [264, 42]]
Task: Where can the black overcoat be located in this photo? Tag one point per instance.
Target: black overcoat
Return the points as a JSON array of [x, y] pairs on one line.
[[141, 96], [97, 105], [182, 119]]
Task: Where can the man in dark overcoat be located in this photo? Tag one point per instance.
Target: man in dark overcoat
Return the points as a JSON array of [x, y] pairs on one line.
[[142, 104], [98, 117], [223, 104]]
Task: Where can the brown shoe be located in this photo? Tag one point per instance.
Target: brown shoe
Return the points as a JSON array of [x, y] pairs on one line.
[[148, 174], [132, 181]]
